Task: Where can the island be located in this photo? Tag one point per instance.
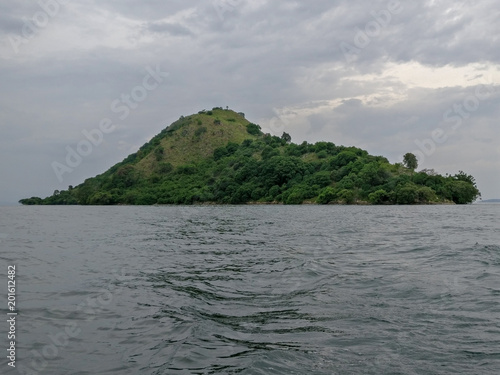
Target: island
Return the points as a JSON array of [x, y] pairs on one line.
[[218, 157]]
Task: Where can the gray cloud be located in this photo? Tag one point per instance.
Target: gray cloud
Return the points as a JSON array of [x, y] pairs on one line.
[[259, 57], [9, 24], [172, 29]]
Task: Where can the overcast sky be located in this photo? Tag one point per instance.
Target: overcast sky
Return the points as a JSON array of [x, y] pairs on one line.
[[390, 77]]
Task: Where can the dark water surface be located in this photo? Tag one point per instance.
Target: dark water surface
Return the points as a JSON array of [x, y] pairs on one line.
[[254, 289]]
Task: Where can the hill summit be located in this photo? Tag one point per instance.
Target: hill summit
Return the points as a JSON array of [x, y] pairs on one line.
[[218, 156]]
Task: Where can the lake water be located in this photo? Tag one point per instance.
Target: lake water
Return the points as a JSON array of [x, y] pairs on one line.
[[253, 289]]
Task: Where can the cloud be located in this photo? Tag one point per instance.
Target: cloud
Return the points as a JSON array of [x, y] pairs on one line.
[[275, 61], [172, 29], [9, 24]]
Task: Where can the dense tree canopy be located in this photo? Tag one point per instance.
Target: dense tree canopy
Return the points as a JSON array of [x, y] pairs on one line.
[[264, 168], [410, 161]]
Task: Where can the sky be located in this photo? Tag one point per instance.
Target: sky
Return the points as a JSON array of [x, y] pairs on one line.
[[83, 84]]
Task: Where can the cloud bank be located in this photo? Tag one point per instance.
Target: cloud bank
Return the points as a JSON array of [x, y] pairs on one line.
[[388, 76]]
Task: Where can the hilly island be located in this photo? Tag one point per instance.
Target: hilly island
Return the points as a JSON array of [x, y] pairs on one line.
[[218, 156]]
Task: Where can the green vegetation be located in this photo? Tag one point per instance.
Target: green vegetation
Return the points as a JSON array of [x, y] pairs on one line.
[[410, 161], [217, 156]]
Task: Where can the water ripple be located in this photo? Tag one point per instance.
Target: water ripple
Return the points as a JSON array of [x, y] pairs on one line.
[[258, 290]]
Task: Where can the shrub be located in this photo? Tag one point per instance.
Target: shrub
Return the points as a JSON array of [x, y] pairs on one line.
[[379, 197], [101, 198], [247, 143], [320, 178], [347, 196], [31, 201], [253, 129], [269, 152], [165, 168], [326, 196], [187, 169], [159, 153], [462, 192], [322, 154], [274, 191], [232, 148], [426, 194], [219, 153], [200, 131], [295, 197], [342, 159], [257, 194], [146, 199], [406, 195]]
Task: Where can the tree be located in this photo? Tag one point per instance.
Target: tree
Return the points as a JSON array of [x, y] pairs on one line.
[[379, 197], [261, 168], [410, 161], [159, 153], [31, 201], [406, 194], [346, 195], [164, 168], [462, 192], [253, 129], [101, 198], [462, 176], [326, 196], [220, 153], [295, 197], [342, 159], [429, 172], [286, 137], [278, 170]]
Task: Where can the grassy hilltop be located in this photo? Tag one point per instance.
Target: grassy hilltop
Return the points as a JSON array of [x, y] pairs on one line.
[[218, 156]]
